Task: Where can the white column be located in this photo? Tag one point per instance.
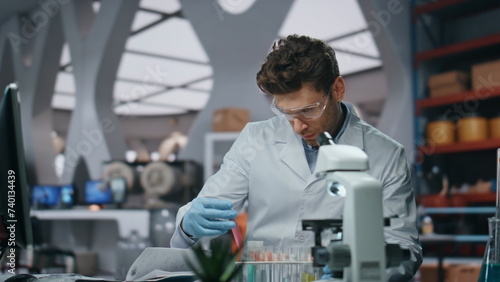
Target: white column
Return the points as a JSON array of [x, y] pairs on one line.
[[389, 22], [36, 42], [236, 45], [96, 44]]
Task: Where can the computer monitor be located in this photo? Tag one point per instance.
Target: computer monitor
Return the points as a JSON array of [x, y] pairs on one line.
[[45, 196], [98, 192], [15, 223], [68, 196], [52, 196], [118, 188]]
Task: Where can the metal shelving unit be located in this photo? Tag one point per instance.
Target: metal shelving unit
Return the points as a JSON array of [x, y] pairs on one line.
[[425, 103], [444, 53], [435, 50]]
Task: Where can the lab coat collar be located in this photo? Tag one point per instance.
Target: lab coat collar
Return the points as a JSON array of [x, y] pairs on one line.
[[291, 143], [354, 134]]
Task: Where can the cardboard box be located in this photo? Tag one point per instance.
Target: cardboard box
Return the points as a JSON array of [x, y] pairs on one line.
[[463, 272], [447, 90], [452, 272], [448, 78], [429, 272], [486, 75], [229, 119]]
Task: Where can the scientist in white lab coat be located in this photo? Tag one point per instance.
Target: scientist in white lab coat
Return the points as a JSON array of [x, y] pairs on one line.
[[271, 162]]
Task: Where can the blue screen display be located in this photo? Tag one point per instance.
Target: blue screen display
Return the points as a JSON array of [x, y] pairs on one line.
[[68, 195], [97, 192], [43, 195]]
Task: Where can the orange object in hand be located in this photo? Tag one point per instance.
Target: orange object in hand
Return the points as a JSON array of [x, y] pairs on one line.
[[238, 232]]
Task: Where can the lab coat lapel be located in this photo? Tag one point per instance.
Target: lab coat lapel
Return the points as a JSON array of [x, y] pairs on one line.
[[292, 150], [353, 134], [293, 154]]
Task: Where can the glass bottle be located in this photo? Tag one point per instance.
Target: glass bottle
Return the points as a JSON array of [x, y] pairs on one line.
[[427, 226], [490, 269]]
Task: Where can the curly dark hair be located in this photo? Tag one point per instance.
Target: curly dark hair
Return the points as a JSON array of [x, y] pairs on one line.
[[297, 60]]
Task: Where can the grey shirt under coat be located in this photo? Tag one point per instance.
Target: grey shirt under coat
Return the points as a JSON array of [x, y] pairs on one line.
[[267, 166]]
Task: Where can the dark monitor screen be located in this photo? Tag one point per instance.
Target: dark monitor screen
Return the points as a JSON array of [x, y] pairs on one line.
[[118, 188], [98, 192], [14, 195]]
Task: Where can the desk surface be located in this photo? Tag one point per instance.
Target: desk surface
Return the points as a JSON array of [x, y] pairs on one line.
[[128, 220]]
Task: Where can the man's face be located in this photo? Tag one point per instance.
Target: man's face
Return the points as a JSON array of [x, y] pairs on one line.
[[329, 120]]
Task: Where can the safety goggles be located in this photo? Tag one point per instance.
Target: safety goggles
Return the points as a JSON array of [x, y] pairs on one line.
[[310, 111]]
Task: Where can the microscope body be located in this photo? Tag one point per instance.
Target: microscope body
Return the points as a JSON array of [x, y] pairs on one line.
[[361, 254], [362, 231]]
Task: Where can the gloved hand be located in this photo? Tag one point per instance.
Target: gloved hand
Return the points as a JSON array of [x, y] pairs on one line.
[[206, 217], [327, 272]]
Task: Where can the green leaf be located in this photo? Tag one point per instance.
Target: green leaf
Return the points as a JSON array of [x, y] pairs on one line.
[[218, 265]]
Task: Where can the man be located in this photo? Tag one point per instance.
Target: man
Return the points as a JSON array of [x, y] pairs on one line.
[[272, 161]]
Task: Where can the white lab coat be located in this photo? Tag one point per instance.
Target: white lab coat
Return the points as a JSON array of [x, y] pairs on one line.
[[267, 165]]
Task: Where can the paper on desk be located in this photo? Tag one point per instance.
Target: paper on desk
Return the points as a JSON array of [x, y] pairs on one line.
[[153, 276], [167, 276]]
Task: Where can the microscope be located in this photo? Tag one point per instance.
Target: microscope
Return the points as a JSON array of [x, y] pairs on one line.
[[361, 255]]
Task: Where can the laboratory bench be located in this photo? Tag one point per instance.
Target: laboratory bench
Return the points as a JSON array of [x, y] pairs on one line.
[[126, 220], [96, 235]]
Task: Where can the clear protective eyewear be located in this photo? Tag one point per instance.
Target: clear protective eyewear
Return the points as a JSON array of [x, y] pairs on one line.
[[311, 111]]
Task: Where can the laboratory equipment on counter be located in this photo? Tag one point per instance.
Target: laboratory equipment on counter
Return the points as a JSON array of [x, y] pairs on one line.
[[361, 255], [274, 264], [490, 269], [497, 214]]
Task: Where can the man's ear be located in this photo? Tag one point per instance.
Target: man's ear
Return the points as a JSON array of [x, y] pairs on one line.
[[339, 88]]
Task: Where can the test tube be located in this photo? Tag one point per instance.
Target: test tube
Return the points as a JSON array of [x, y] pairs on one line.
[[268, 253], [250, 273], [294, 253], [275, 253], [304, 254], [254, 250], [285, 255], [276, 268], [285, 273]]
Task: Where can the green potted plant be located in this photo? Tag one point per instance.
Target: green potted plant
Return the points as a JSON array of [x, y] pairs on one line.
[[217, 264]]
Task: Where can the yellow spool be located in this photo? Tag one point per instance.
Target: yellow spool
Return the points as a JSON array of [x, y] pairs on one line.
[[472, 129], [440, 132], [494, 126]]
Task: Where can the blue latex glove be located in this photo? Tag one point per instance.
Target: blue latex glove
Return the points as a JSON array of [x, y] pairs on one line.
[[327, 272], [206, 217]]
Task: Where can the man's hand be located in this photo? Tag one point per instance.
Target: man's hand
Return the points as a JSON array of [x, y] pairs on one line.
[[207, 217]]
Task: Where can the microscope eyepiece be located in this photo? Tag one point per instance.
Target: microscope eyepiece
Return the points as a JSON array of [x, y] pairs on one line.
[[325, 139]]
